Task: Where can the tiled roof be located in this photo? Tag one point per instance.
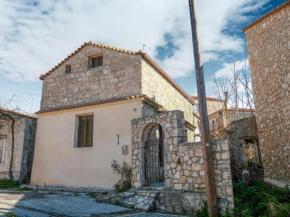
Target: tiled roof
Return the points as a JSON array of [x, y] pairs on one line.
[[9, 111], [208, 98], [98, 103], [144, 55], [268, 14]]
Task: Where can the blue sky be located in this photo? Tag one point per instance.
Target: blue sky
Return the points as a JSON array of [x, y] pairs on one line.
[[37, 35]]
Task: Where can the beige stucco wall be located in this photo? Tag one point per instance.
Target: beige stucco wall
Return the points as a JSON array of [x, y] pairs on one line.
[[157, 87], [269, 55], [119, 76], [57, 162]]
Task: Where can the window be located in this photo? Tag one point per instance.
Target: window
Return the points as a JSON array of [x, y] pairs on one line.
[[95, 61], [67, 69], [2, 144], [85, 131]]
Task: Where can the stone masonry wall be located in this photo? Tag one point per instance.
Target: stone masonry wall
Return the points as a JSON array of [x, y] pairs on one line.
[[187, 169], [155, 86], [183, 162], [119, 76], [268, 44]]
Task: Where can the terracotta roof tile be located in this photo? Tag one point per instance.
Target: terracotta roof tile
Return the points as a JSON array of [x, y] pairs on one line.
[[45, 110], [267, 15]]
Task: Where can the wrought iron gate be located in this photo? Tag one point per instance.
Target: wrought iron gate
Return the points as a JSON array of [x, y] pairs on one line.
[[154, 162]]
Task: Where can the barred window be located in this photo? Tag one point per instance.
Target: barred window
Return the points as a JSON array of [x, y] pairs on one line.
[[85, 131]]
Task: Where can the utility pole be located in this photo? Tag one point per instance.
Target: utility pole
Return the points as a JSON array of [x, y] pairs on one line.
[[204, 125]]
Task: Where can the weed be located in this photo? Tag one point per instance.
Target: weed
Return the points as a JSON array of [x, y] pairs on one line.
[[8, 183]]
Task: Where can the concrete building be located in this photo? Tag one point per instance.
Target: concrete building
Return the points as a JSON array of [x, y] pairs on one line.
[[17, 138], [268, 42]]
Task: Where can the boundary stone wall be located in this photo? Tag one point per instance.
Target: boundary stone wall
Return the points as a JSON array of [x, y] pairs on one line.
[[183, 162]]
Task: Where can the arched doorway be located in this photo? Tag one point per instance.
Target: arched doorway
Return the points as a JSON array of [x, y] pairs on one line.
[[154, 157]]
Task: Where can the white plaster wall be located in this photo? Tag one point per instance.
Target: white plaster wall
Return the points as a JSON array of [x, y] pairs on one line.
[[57, 162]]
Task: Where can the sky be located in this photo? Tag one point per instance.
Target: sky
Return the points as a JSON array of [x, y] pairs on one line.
[[37, 35]]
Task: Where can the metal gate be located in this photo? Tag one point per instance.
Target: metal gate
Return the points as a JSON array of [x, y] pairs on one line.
[[153, 158]]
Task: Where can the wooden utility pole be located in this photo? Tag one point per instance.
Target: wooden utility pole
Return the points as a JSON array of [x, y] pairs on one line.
[[204, 125]]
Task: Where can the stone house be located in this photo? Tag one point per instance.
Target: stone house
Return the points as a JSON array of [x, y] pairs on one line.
[[17, 138], [88, 102], [103, 103], [268, 42], [218, 120]]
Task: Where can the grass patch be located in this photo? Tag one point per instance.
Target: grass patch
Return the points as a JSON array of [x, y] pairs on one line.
[[104, 193], [258, 199], [8, 184], [9, 214]]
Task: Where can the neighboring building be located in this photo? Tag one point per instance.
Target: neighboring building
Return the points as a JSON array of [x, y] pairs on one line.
[[213, 104], [218, 121], [88, 102], [268, 42], [17, 138], [196, 123]]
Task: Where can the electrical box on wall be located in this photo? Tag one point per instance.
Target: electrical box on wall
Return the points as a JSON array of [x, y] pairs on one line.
[[124, 149]]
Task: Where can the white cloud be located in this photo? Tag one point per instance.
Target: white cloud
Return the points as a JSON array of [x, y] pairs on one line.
[[228, 69], [35, 38]]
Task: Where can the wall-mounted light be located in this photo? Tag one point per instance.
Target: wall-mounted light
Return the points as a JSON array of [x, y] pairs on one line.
[[118, 139]]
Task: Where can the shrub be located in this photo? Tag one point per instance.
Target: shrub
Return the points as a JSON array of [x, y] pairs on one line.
[[8, 183], [125, 183], [260, 199]]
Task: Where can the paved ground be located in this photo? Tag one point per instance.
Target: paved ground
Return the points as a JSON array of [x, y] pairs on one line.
[[64, 204]]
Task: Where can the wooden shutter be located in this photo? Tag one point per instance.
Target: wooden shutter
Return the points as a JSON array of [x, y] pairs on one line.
[[90, 125], [85, 131]]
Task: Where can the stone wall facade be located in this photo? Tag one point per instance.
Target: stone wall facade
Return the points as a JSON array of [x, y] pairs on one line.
[[156, 86], [24, 140], [268, 42], [119, 76], [183, 162]]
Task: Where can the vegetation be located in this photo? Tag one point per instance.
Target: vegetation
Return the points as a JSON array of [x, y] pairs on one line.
[[125, 183], [258, 199], [8, 184], [12, 185]]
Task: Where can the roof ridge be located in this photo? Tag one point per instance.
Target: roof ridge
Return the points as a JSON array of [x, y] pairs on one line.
[[280, 7]]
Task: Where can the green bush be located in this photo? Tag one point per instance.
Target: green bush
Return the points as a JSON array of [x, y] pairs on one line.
[[8, 183], [257, 199], [124, 184]]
